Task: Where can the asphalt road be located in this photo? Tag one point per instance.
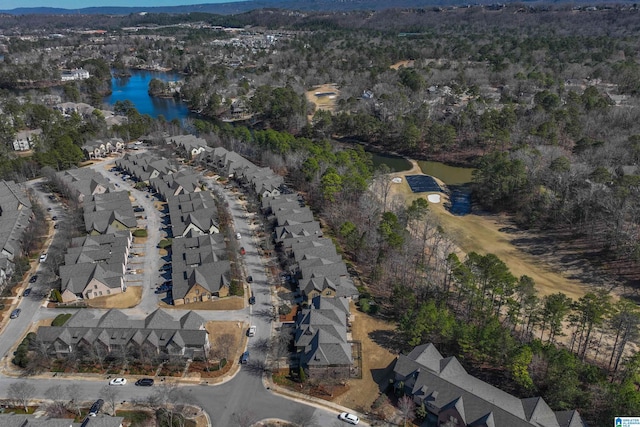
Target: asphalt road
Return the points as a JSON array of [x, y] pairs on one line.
[[240, 401]]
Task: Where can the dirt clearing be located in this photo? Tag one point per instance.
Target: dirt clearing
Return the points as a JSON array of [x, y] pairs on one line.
[[323, 97], [128, 299], [375, 362], [494, 234], [402, 64]]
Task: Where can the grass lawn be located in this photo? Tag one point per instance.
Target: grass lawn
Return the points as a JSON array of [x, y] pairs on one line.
[[493, 234], [236, 346], [226, 303], [128, 299], [363, 392]]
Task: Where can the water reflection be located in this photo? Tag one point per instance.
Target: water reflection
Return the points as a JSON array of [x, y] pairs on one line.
[[135, 89]]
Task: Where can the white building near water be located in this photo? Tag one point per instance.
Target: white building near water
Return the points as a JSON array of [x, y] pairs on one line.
[[76, 74]]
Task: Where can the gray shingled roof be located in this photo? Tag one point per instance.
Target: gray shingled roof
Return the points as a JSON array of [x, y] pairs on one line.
[[321, 333], [192, 210], [297, 230], [211, 276], [15, 214], [443, 383], [103, 209]]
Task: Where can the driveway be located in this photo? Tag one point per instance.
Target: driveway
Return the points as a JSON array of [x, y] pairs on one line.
[[240, 401], [150, 262]]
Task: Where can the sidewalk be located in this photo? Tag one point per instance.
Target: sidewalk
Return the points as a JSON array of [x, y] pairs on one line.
[[314, 401]]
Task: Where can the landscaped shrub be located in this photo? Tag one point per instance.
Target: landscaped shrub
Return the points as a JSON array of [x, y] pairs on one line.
[[56, 295], [284, 309], [21, 357], [235, 288], [164, 243], [140, 232], [61, 319]]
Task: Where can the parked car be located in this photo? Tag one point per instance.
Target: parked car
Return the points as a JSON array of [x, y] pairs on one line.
[[138, 209], [145, 382], [26, 292], [49, 209], [15, 313], [56, 226], [349, 418], [242, 251], [33, 279], [238, 236], [43, 257], [54, 218], [95, 408], [250, 279], [118, 381], [245, 357], [252, 299], [251, 332]]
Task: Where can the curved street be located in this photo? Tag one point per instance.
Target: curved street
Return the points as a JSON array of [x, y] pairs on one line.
[[241, 400]]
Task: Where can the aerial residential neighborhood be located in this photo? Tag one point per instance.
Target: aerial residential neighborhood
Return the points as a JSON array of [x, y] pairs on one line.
[[310, 214]]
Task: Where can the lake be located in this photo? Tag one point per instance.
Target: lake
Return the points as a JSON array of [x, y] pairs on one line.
[[135, 89], [395, 163]]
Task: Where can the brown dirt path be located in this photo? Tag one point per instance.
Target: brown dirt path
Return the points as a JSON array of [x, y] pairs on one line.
[[493, 234]]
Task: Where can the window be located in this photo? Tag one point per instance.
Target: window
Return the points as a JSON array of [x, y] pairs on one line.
[[197, 291], [328, 292], [95, 286], [108, 292], [186, 300]]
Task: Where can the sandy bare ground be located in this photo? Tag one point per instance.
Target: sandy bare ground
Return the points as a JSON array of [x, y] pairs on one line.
[[128, 299], [402, 64], [494, 234], [327, 103]]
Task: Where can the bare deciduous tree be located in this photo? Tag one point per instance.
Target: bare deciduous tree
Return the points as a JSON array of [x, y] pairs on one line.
[[407, 408], [21, 393], [110, 394], [73, 393], [56, 408]]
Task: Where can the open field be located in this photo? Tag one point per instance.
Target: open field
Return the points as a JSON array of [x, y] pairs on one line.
[[327, 102], [128, 299], [375, 361], [494, 234]]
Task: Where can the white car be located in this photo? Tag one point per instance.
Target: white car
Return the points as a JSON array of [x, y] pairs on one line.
[[238, 236], [349, 418], [252, 331], [118, 381], [43, 257]]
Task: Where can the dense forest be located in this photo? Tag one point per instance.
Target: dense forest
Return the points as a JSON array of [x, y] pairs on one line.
[[541, 101]]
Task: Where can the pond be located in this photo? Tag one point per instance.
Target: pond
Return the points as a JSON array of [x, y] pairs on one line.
[[135, 89], [395, 163]]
